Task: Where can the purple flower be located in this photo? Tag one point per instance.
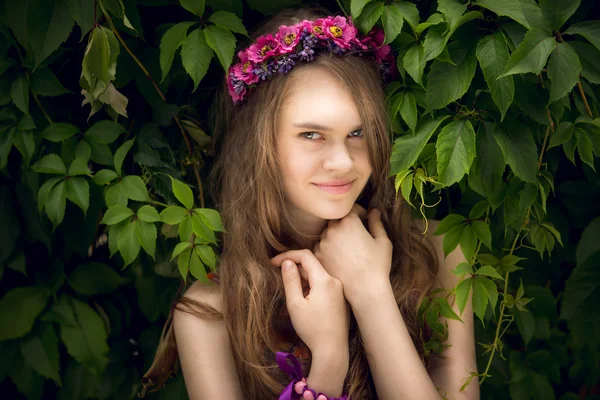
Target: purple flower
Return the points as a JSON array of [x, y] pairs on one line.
[[286, 63]]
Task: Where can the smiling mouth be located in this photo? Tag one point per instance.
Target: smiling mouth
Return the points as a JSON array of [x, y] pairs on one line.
[[336, 189]]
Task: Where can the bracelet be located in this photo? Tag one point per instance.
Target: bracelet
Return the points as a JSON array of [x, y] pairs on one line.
[[298, 384]]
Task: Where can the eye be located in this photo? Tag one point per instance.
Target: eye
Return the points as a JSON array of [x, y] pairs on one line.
[[357, 133], [310, 135]]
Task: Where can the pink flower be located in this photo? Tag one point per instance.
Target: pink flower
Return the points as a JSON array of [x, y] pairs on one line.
[[237, 89], [288, 37], [338, 29], [382, 53], [265, 47], [315, 27], [243, 69], [375, 38]]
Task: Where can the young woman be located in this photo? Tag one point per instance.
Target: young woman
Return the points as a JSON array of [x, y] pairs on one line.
[[320, 264]]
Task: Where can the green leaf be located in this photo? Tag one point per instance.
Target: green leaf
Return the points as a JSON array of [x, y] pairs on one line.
[[462, 293], [19, 92], [105, 176], [369, 16], [113, 195], [183, 193], [229, 21], [533, 15], [116, 214], [6, 143], [438, 36], [589, 57], [180, 247], [449, 222], [194, 6], [222, 42], [434, 19], [173, 215], [480, 299], [452, 10], [518, 147], [183, 262], [104, 132], [455, 149], [78, 191], [588, 244], [356, 7], [506, 8], [407, 148], [41, 353], [532, 53], [446, 82], [491, 290], [406, 187], [408, 110], [95, 278], [409, 12], [120, 155], [49, 24], [43, 82], [462, 269], [479, 209], [20, 306], [78, 167], [211, 218], [201, 229], [146, 234], [452, 238], [148, 214], [170, 42], [207, 255], [557, 12], [492, 53], [488, 270], [50, 164], [44, 191], [392, 22], [394, 104], [563, 70], [414, 62], [82, 12], [57, 201], [197, 268], [25, 143], [446, 310], [59, 131], [488, 166], [196, 56], [562, 135], [590, 30], [134, 188], [468, 242], [482, 231], [128, 243], [85, 335]]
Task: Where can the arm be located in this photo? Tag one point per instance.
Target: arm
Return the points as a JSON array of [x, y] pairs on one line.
[[205, 350], [393, 359], [328, 371]]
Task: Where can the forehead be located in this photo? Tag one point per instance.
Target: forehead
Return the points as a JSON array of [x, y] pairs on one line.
[[317, 95]]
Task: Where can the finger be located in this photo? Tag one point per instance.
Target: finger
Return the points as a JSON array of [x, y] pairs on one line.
[[308, 260], [291, 281], [376, 227], [303, 273]]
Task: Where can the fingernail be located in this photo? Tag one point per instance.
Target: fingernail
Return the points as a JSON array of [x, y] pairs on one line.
[[287, 264]]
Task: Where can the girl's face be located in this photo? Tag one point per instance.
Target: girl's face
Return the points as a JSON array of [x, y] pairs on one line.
[[321, 147]]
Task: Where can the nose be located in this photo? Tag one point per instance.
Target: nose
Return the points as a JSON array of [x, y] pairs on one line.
[[338, 158]]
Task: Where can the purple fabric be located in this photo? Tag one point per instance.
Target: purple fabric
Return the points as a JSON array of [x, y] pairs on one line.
[[295, 372]]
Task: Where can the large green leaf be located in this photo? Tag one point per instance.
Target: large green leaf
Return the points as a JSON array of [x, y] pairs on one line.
[[414, 62], [507, 8], [44, 83], [369, 16], [196, 55], [563, 70], [104, 132], [19, 92], [222, 42], [407, 148], [455, 149], [211, 218], [82, 12], [78, 191], [183, 193], [518, 147], [408, 110], [356, 7], [129, 245], [116, 214], [193, 6], [447, 82], [120, 155], [589, 56], [83, 332], [588, 29], [492, 53], [480, 299], [49, 24], [41, 353], [94, 278], [452, 10], [392, 22], [170, 42], [557, 12], [409, 12], [134, 188], [438, 36], [229, 21], [56, 203], [19, 308], [146, 234], [59, 131], [50, 164], [532, 53]]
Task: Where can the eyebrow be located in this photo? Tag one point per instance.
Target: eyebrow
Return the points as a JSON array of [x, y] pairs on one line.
[[318, 127]]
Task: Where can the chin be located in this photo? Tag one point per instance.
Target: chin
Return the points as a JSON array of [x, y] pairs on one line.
[[337, 211]]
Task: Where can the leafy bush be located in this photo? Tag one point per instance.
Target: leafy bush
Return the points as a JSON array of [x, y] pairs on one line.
[[104, 149]]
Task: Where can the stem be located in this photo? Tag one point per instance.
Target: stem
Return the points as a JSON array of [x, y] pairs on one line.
[[162, 96], [587, 106], [158, 203], [342, 8], [543, 148], [37, 100]]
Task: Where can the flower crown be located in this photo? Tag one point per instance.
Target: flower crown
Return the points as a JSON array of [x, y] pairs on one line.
[[291, 44]]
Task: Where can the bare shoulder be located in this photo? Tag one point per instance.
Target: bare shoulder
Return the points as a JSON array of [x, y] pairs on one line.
[[208, 293]]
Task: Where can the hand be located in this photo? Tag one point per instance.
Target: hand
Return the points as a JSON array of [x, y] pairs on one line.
[[322, 318], [358, 257]]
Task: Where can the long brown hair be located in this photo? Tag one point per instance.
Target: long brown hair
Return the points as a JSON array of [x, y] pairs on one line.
[[245, 185]]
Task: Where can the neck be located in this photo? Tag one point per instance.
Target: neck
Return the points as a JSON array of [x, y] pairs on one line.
[[304, 230]]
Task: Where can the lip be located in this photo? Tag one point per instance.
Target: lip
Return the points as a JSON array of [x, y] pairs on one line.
[[336, 186]]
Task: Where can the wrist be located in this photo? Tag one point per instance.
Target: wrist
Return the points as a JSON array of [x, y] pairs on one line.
[[365, 296], [328, 371]]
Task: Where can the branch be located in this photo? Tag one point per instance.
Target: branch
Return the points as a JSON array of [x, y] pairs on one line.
[[587, 106]]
